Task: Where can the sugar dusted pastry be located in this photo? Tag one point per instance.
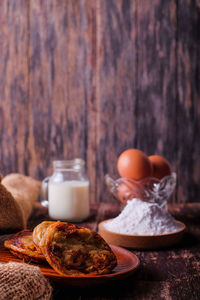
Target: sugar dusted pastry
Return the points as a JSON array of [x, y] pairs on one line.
[[21, 245], [74, 250], [39, 231]]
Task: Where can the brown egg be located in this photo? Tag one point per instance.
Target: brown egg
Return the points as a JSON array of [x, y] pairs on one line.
[[125, 191], [134, 164], [161, 166], [128, 190]]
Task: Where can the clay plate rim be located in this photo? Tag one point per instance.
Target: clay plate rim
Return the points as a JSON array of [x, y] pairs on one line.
[[127, 265]]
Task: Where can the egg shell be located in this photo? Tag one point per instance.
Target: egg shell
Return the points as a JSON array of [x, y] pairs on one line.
[[161, 166], [134, 164], [125, 191], [128, 190]]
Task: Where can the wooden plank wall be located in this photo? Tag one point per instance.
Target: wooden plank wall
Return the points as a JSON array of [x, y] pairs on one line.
[[82, 78]]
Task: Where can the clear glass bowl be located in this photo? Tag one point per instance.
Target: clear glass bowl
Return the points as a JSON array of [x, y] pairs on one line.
[[149, 189]]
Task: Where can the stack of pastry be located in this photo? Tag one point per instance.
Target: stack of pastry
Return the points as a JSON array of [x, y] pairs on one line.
[[69, 249]]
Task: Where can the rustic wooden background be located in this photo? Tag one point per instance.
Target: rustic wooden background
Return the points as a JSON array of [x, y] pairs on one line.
[[90, 78]]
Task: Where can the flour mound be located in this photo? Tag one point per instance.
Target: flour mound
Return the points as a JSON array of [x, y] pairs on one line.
[[142, 218]]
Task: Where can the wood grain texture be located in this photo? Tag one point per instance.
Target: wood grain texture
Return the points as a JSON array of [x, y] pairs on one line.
[[156, 97], [188, 102], [13, 85], [61, 82], [116, 86], [89, 79]]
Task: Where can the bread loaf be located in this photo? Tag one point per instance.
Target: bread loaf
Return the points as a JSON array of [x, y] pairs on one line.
[[17, 196]]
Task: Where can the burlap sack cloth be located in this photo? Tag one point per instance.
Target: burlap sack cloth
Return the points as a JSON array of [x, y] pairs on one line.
[[20, 281], [18, 194]]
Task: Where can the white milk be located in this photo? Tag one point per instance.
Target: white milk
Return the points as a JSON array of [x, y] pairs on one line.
[[69, 200]]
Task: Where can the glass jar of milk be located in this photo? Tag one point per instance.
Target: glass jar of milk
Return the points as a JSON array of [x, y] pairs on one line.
[[68, 191]]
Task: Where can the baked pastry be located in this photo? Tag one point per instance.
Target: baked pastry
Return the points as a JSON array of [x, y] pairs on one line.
[[39, 231], [74, 250], [21, 245]]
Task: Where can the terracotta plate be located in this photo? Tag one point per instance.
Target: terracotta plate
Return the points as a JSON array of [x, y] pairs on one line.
[[127, 264], [142, 242]]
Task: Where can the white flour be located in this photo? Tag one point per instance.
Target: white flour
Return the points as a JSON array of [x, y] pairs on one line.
[[142, 218]]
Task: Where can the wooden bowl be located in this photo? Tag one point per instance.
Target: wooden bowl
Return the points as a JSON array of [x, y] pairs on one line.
[[156, 241]]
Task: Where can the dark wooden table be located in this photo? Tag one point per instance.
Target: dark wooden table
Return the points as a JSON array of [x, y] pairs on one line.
[[164, 274], [172, 273]]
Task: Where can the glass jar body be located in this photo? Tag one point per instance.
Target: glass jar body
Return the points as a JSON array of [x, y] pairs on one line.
[[68, 191]]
